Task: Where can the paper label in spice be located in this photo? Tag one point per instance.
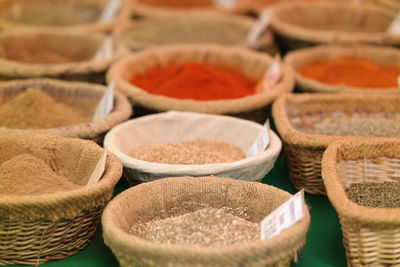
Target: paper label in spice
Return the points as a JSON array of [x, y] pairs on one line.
[[284, 216], [261, 143], [105, 51], [259, 28], [224, 3], [271, 77], [110, 11], [394, 28], [106, 104], [98, 170]]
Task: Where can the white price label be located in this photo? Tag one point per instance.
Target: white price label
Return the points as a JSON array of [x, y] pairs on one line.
[[106, 104], [98, 170], [271, 77], [261, 143], [105, 50], [110, 11], [284, 216], [394, 28], [224, 3], [259, 28]]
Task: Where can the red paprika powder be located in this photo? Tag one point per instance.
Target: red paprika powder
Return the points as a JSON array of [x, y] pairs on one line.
[[196, 81]]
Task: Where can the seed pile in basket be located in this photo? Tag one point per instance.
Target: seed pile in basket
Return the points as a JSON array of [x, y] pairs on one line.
[[375, 195], [199, 151], [34, 109], [26, 174], [204, 227]]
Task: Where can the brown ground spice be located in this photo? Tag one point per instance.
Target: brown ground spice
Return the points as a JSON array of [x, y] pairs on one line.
[[375, 195], [199, 151], [204, 227], [26, 174], [34, 109]]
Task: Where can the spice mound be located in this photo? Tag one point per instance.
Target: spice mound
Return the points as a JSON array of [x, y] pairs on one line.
[[26, 174], [205, 227], [199, 151], [34, 109], [356, 72], [375, 195], [196, 81], [39, 57]]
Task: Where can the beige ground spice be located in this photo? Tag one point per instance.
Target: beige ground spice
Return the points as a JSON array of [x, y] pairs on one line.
[[26, 174], [199, 151], [34, 109], [205, 227]]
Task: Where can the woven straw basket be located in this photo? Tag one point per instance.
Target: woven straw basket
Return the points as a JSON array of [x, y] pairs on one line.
[[293, 114], [300, 58], [252, 64], [187, 126], [56, 14], [176, 196], [38, 228], [370, 235], [54, 54], [84, 97], [389, 4], [298, 24]]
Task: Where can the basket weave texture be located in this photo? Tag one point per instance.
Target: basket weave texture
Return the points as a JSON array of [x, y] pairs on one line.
[[370, 235], [303, 150], [35, 229], [251, 64], [184, 194]]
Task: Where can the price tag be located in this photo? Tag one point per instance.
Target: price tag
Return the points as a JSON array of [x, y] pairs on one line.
[[259, 28], [271, 77], [105, 51], [106, 104], [224, 3], [110, 11], [261, 143], [394, 28], [98, 170], [283, 217]]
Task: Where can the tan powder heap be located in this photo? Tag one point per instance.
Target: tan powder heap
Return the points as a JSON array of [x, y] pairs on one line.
[[34, 109], [26, 174], [195, 152]]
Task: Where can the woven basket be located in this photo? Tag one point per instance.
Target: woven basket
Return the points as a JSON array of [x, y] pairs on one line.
[[252, 64], [38, 228], [298, 24], [187, 126], [300, 58], [295, 114], [184, 194], [54, 54], [389, 4], [370, 235], [82, 96], [56, 14]]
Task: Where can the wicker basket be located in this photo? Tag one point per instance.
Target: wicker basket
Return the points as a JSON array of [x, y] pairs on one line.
[[300, 58], [298, 25], [370, 235], [389, 4], [295, 114], [38, 228], [251, 64], [188, 126], [82, 96], [184, 194], [54, 54]]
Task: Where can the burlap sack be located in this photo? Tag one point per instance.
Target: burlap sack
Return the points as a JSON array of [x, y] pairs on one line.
[[304, 151], [298, 24], [389, 4], [147, 201], [82, 96], [54, 226], [252, 64], [377, 229], [54, 54], [56, 14], [188, 126], [298, 59]]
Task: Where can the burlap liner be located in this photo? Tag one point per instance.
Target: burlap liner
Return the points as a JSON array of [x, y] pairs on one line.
[[76, 15], [252, 64], [78, 46], [75, 94], [329, 22], [390, 4], [187, 126], [146, 201], [73, 158], [300, 58]]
